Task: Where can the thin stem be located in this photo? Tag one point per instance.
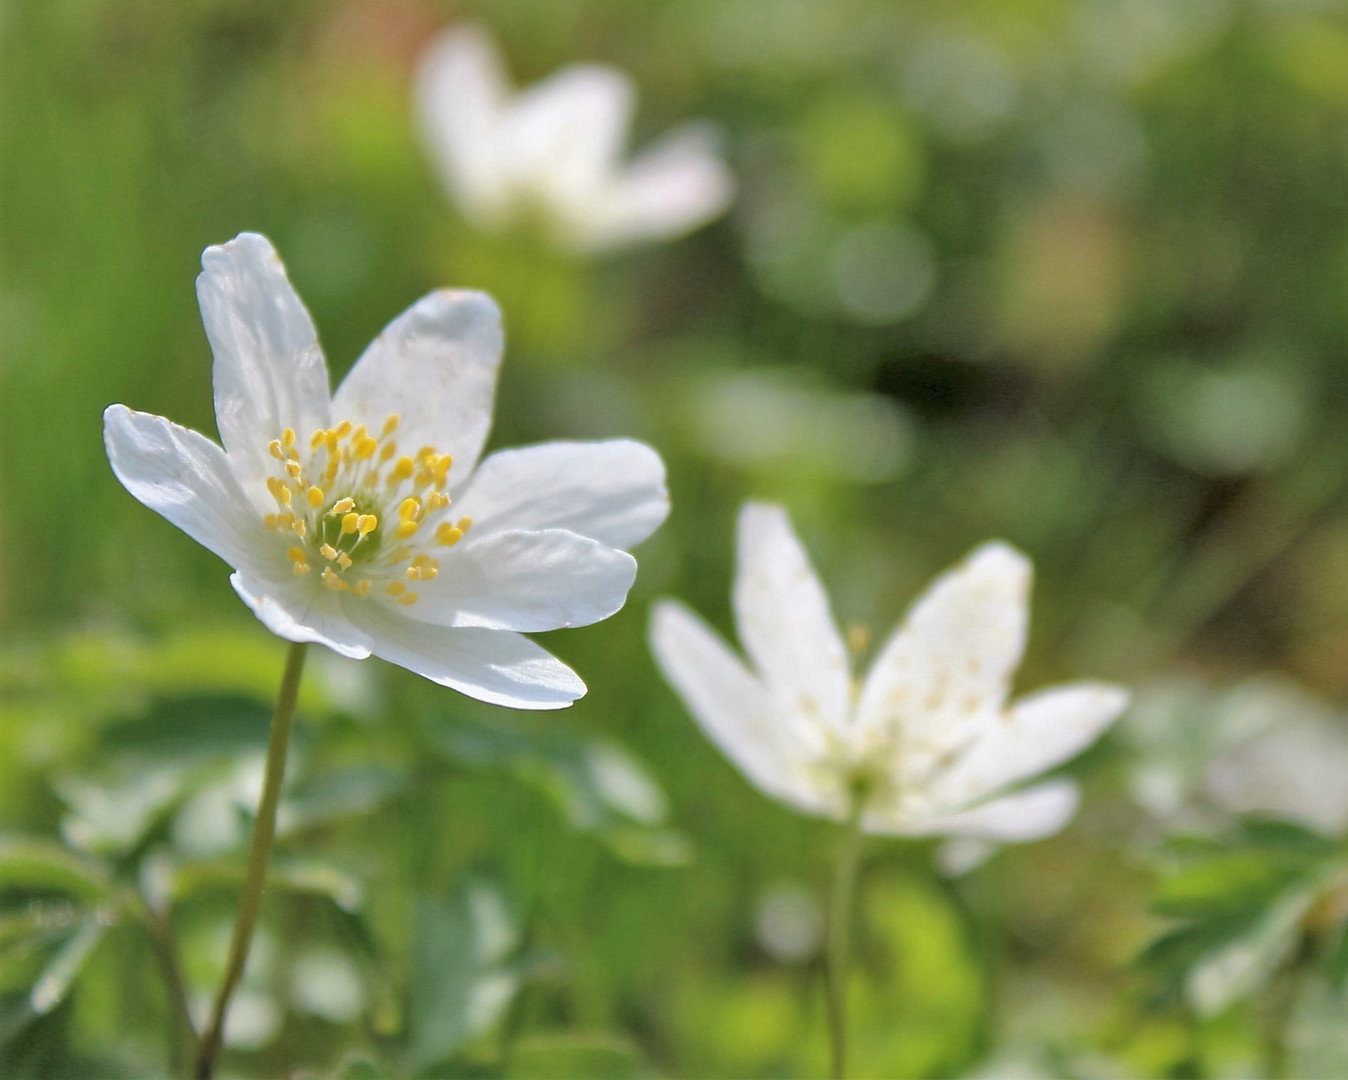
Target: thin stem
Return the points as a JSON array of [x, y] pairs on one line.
[[839, 927], [264, 829], [183, 1035]]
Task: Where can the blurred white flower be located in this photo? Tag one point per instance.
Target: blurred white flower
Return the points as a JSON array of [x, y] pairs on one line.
[[928, 736], [335, 511], [551, 155]]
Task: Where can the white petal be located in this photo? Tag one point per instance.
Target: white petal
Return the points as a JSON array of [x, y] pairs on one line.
[[269, 372], [676, 185], [613, 492], [1025, 815], [186, 478], [303, 611], [947, 671], [735, 711], [1036, 734], [461, 94], [566, 135], [435, 367], [526, 581], [784, 619], [495, 666]]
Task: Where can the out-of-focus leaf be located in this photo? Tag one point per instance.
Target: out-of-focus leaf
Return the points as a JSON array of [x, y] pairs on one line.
[[50, 990], [1336, 966], [311, 876], [338, 795], [597, 786], [40, 865], [1226, 885], [562, 1057], [190, 727], [467, 969]]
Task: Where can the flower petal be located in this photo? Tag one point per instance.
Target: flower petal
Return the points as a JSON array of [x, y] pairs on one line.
[[1036, 734], [784, 619], [269, 371], [674, 186], [566, 136], [945, 674], [495, 666], [1025, 815], [735, 711], [303, 612], [527, 581], [186, 478], [435, 367], [613, 491], [461, 95]]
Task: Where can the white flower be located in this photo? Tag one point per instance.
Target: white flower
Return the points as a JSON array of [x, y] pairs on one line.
[[336, 511], [552, 154], [929, 733]]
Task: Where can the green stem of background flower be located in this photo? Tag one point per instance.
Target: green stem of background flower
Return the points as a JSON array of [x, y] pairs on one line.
[[839, 927], [264, 829]]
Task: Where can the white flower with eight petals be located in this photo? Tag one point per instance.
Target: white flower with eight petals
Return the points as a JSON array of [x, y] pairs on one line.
[[552, 154], [362, 520], [928, 736]]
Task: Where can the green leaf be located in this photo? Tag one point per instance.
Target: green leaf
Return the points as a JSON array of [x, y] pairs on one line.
[[1228, 885], [36, 865], [1336, 963], [55, 982], [563, 1057], [338, 795]]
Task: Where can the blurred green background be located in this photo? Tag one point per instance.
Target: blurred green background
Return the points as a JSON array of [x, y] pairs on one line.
[[1072, 274]]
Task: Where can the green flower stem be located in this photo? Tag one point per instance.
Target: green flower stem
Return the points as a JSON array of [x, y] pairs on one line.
[[839, 926], [264, 829]]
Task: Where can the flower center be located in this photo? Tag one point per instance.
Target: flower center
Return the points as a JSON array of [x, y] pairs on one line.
[[365, 516]]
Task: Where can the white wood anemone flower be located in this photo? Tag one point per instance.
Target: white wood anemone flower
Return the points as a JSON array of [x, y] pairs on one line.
[[362, 520], [927, 738], [552, 155]]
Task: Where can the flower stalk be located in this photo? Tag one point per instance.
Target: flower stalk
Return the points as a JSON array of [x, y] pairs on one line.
[[839, 930], [264, 831]]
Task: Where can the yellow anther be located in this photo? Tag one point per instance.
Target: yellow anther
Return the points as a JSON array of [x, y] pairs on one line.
[[274, 448], [465, 524], [408, 598], [437, 500], [402, 469], [293, 469], [317, 439], [278, 490], [362, 587], [406, 529], [288, 438], [344, 506], [414, 573], [300, 568], [269, 520], [399, 553], [315, 496], [365, 447], [285, 521], [395, 588], [350, 522], [448, 534], [296, 554], [425, 452], [409, 508], [332, 581], [299, 528], [344, 561], [331, 439], [390, 448], [366, 523], [358, 434], [391, 424], [328, 552], [341, 429]]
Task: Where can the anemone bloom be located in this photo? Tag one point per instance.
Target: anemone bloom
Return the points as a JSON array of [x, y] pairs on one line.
[[927, 740], [551, 155], [362, 520]]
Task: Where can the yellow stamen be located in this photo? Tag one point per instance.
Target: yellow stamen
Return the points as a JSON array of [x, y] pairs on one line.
[[447, 534], [269, 520], [465, 524], [288, 438], [301, 568], [344, 561], [293, 469], [362, 587], [402, 469], [408, 598], [365, 447], [343, 506], [341, 429], [328, 552], [274, 448], [315, 496], [366, 523], [395, 588], [299, 528], [296, 554], [406, 529], [390, 448], [391, 424], [350, 522], [332, 581], [414, 573], [317, 439], [409, 508]]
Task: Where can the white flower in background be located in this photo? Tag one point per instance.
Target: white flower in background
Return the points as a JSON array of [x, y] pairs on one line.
[[928, 735], [362, 520], [551, 155]]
